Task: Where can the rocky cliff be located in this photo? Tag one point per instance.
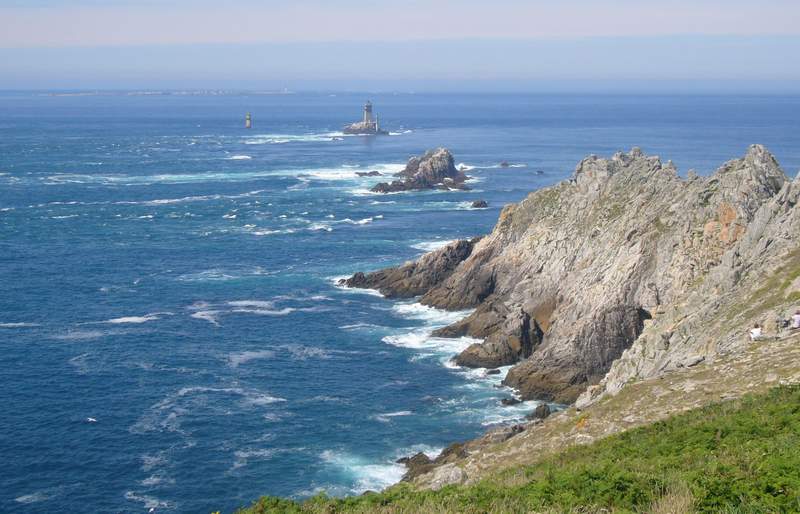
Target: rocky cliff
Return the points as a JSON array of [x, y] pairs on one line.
[[623, 272], [434, 169]]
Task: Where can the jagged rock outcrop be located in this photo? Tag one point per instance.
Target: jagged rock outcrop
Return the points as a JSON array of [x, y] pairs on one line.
[[435, 169], [625, 267], [415, 278]]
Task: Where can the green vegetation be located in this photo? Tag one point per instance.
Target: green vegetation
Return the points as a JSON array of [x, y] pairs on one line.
[[740, 456]]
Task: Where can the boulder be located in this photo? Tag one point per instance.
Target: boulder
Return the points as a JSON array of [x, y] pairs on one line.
[[479, 204], [541, 411], [435, 169]]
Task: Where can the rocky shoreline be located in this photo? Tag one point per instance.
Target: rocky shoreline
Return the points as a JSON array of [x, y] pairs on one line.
[[624, 272]]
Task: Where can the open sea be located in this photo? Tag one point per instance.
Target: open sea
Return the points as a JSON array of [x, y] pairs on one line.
[[171, 335]]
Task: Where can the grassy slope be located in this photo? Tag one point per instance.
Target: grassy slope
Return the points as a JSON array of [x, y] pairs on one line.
[[736, 456]]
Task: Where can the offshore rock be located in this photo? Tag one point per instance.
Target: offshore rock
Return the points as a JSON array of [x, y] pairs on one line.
[[623, 272], [479, 204], [434, 169]]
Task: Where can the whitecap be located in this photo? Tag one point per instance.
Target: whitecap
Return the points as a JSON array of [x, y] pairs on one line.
[[238, 158], [136, 319], [266, 312], [81, 335], [36, 497], [19, 325], [362, 326], [210, 316], [238, 358], [263, 304], [387, 417]]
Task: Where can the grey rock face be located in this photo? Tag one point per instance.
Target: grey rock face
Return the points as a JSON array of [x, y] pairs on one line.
[[435, 169], [415, 278], [620, 273]]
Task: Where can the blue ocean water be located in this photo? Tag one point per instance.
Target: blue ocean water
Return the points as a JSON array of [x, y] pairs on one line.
[[170, 331]]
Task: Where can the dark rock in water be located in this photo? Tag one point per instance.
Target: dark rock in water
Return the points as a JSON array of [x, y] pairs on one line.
[[504, 164], [510, 401], [540, 412], [372, 173], [434, 169], [417, 277], [418, 464], [479, 204], [419, 459], [494, 371], [539, 172]]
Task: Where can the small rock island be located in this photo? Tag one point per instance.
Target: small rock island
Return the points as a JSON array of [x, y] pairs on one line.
[[367, 126], [435, 169]]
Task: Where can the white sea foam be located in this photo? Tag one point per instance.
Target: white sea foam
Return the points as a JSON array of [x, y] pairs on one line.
[[387, 417], [362, 326], [239, 158], [277, 139], [154, 480], [36, 497], [137, 319], [299, 352], [19, 325], [421, 339], [429, 246], [150, 502], [167, 414], [440, 317], [327, 174], [79, 362], [222, 275], [266, 312], [238, 358], [210, 316], [243, 457], [262, 304], [81, 335], [364, 474]]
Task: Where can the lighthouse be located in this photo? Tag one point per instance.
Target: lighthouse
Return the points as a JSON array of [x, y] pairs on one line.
[[248, 121], [368, 113], [368, 126]]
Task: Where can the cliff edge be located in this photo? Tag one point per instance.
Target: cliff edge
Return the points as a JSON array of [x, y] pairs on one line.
[[623, 272]]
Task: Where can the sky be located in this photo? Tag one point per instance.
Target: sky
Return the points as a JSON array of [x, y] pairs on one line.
[[401, 44]]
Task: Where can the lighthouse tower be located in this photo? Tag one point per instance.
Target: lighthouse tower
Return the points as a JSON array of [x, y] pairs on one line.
[[368, 113]]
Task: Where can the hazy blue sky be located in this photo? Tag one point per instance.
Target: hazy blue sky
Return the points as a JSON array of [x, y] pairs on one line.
[[352, 44]]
